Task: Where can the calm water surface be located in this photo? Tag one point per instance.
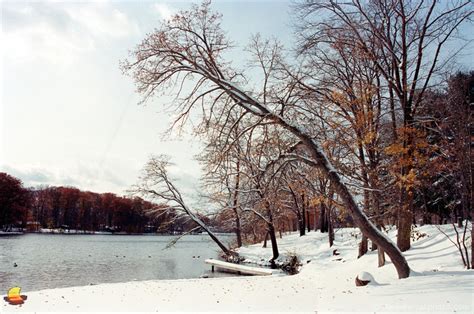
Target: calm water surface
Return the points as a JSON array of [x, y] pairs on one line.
[[52, 261]]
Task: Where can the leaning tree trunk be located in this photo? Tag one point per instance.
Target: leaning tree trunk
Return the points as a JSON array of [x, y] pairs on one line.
[[206, 228], [360, 219], [214, 238], [320, 161], [218, 242], [367, 227]]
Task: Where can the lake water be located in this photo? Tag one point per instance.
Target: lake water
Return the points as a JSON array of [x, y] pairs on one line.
[[51, 261]]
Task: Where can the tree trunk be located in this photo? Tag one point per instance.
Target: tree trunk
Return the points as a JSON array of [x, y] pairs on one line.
[[405, 218], [405, 212], [323, 218], [299, 212], [300, 223], [308, 222], [265, 241], [217, 241], [375, 200], [472, 233], [392, 113], [381, 257], [254, 236], [363, 246], [359, 217], [303, 215], [235, 204], [303, 222], [271, 231], [330, 228], [380, 252], [198, 221], [469, 177], [315, 220], [320, 161], [472, 244], [238, 232]]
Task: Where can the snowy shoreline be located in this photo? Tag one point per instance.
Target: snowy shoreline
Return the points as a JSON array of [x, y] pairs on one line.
[[326, 283]]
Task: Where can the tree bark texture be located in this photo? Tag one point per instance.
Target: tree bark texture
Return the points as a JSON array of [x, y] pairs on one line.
[[363, 246], [323, 227], [235, 204], [271, 231]]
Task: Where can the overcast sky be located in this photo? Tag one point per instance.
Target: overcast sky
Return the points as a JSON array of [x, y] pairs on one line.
[[68, 116]]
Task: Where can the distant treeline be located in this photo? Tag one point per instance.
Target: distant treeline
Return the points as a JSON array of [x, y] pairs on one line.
[[70, 208]]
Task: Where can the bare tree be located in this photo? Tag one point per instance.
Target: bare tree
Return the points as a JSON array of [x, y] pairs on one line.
[[221, 160], [189, 48], [405, 41], [348, 85], [156, 184], [261, 172]]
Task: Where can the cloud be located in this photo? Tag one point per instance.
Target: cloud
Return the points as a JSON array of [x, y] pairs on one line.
[[186, 181], [31, 175], [90, 177], [58, 32], [35, 176], [82, 176], [165, 11], [100, 21]]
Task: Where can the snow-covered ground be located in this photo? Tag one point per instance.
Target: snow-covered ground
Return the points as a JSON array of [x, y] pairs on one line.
[[10, 233], [438, 283]]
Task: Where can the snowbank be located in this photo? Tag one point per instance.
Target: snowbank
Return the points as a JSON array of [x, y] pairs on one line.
[[10, 233], [326, 283]]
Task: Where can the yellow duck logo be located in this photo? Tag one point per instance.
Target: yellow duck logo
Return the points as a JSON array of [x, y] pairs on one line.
[[14, 297]]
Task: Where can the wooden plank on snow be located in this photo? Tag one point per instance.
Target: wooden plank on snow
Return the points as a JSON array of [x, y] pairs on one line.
[[240, 268]]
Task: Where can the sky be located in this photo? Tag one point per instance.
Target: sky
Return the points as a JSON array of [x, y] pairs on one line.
[[68, 116]]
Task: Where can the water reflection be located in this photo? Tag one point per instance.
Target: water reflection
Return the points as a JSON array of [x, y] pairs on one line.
[[50, 261]]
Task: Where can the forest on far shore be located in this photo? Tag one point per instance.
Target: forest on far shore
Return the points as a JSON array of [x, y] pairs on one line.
[[64, 207]]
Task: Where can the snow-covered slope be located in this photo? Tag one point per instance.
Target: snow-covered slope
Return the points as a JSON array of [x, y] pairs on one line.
[[438, 281], [326, 283]]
